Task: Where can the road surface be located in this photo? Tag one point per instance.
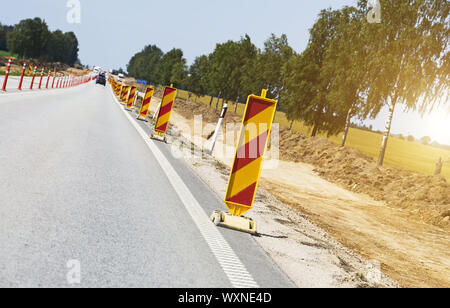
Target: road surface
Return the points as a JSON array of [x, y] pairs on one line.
[[79, 182]]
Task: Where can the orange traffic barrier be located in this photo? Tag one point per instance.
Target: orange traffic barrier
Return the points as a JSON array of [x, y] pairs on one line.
[[30, 70], [5, 81], [54, 77], [162, 120], [32, 79], [131, 97], [40, 80], [247, 165], [48, 78], [124, 94], [119, 89], [21, 76], [146, 104], [245, 174]]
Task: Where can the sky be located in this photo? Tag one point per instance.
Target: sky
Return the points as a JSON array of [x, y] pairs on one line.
[[110, 32]]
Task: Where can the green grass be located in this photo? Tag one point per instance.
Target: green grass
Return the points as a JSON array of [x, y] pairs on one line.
[[11, 73], [400, 153], [7, 54]]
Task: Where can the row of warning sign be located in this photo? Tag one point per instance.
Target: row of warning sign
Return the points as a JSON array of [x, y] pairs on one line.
[[128, 95], [247, 165], [61, 82]]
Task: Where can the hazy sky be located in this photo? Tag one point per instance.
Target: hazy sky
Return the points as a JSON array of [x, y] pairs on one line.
[[112, 31]]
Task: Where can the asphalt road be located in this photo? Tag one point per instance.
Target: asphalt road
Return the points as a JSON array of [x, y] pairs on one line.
[[78, 182]]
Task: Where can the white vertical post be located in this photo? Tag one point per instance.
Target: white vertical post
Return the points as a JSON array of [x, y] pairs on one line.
[[157, 111], [219, 126]]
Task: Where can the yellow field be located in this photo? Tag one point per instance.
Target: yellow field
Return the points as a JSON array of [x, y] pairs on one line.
[[402, 154]]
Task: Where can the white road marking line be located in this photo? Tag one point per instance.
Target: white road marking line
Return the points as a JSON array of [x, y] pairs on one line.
[[232, 266], [38, 92]]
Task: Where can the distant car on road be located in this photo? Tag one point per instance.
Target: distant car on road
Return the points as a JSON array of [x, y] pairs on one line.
[[120, 77], [101, 79]]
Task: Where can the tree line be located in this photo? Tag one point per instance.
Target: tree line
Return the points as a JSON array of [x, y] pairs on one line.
[[350, 70], [233, 70], [32, 39]]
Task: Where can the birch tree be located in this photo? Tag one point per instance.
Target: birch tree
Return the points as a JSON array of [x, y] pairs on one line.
[[408, 57], [345, 66], [306, 86]]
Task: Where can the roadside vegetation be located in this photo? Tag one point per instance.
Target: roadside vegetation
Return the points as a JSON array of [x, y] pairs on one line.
[[405, 154], [32, 39], [350, 71]]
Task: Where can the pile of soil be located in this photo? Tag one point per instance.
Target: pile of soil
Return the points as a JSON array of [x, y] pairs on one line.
[[191, 108], [426, 198]]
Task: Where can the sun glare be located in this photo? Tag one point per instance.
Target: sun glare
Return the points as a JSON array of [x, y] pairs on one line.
[[438, 126]]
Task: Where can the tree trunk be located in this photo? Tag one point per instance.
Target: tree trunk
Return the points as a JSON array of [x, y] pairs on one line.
[[439, 166], [236, 104], [290, 126], [386, 134], [347, 127], [218, 99], [317, 122], [315, 130], [211, 101]]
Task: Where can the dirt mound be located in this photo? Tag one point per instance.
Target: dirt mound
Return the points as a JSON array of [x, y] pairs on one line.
[[17, 64], [289, 140], [423, 197], [191, 108]]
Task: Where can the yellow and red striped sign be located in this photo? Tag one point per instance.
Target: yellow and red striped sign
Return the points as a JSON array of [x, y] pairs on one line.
[[246, 171], [30, 70], [131, 97], [167, 102], [118, 89], [119, 94], [146, 102], [124, 94], [122, 88]]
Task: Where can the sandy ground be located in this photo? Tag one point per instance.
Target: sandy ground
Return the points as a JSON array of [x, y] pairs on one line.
[[413, 253]]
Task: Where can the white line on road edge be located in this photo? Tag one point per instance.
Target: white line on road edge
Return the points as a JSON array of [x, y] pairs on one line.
[[40, 92], [227, 258]]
